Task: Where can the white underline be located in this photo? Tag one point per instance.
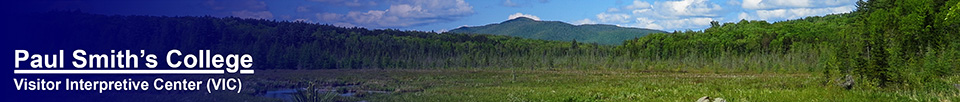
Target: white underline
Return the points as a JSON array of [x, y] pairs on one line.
[[246, 71], [126, 71]]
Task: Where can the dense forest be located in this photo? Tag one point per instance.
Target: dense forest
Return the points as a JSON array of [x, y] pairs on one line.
[[888, 43], [300, 45], [556, 30]]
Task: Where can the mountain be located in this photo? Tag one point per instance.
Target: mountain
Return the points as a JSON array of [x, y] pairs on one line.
[[556, 30], [299, 45]]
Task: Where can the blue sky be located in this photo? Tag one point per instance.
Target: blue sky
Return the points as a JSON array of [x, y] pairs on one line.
[[442, 15]]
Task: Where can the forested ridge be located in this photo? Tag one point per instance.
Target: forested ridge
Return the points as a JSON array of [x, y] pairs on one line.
[[884, 43], [556, 30], [301, 45]]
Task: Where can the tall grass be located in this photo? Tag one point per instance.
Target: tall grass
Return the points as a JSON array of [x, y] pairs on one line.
[[313, 94]]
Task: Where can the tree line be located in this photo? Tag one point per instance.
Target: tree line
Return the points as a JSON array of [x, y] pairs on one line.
[[887, 43], [302, 45]]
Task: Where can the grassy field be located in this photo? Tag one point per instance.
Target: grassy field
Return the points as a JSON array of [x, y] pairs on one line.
[[574, 85]]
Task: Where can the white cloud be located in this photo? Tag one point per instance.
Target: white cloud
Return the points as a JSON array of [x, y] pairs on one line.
[[521, 3], [796, 13], [240, 8], [236, 5], [743, 15], [761, 4], [733, 2], [518, 14], [350, 3], [640, 11], [584, 21], [647, 23], [303, 9], [689, 8], [638, 7], [613, 10], [405, 10], [253, 14], [780, 4], [402, 14], [637, 4], [373, 16], [344, 25], [697, 14], [665, 15], [672, 24], [509, 3], [688, 22], [358, 3], [613, 18], [430, 8], [767, 14], [329, 16]]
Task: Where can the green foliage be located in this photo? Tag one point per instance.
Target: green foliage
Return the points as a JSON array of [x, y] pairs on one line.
[[744, 37], [606, 85], [313, 94], [904, 38], [885, 43], [555, 30], [903, 43], [300, 45]]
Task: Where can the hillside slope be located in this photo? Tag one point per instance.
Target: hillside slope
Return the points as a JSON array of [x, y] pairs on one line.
[[297, 45], [556, 30]]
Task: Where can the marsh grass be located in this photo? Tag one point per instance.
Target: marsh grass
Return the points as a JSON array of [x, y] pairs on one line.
[[601, 85]]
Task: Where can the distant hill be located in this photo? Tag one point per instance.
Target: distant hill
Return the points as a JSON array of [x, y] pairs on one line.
[[556, 30], [298, 45]]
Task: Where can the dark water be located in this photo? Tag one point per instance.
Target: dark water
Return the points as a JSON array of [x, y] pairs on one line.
[[287, 94]]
